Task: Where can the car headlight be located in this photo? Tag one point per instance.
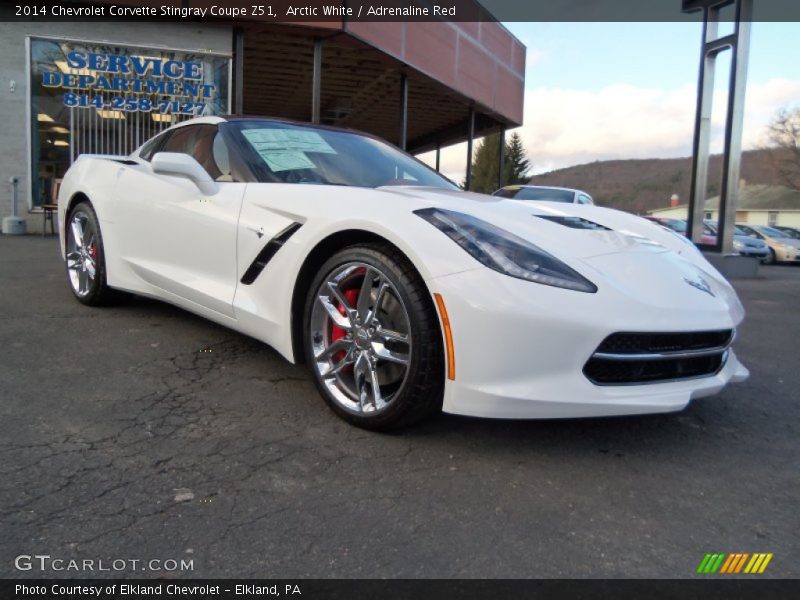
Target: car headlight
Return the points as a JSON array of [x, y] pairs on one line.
[[737, 245], [505, 252]]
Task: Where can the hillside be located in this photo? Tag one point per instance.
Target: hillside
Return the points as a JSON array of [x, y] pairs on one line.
[[641, 185]]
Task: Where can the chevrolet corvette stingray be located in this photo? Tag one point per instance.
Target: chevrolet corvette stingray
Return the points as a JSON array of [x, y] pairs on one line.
[[402, 293]]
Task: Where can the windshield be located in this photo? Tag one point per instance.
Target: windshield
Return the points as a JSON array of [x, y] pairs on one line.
[[280, 152], [675, 225], [546, 194], [792, 233], [773, 233]]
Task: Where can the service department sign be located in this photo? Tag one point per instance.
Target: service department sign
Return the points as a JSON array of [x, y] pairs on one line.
[[131, 83]]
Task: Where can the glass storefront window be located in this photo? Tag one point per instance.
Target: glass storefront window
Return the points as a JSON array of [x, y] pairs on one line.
[[108, 99]]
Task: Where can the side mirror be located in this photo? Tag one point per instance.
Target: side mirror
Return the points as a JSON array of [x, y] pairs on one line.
[[183, 165]]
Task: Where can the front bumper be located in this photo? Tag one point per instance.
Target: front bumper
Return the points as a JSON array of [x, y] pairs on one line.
[[520, 347], [790, 254], [755, 253]]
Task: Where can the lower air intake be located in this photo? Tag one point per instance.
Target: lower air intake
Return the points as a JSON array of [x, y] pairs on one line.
[[638, 358]]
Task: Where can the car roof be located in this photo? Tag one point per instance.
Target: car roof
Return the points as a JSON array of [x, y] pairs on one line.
[[216, 119], [756, 227], [211, 120]]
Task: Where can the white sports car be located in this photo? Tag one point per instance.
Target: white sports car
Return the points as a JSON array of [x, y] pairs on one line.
[[403, 294]]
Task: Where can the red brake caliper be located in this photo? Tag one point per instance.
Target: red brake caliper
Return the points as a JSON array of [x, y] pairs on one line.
[[93, 251], [337, 332]]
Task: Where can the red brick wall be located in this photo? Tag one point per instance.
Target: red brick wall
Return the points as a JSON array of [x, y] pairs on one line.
[[481, 60]]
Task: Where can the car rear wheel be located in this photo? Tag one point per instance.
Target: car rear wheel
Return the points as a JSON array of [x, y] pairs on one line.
[[85, 258], [372, 339]]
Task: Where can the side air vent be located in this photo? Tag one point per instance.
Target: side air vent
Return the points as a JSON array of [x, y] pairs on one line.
[[266, 254], [575, 223]]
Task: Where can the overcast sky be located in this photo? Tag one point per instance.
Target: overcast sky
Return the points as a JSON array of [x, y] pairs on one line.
[[597, 91]]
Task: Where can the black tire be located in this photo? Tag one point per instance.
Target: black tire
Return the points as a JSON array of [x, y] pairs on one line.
[[97, 293], [421, 392], [771, 259]]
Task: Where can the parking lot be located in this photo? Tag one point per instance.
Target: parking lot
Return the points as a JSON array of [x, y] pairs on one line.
[[144, 432]]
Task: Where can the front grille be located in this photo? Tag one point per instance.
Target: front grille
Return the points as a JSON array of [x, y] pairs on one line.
[[630, 358], [637, 343]]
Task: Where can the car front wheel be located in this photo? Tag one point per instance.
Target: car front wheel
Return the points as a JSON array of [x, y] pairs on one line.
[[372, 339], [85, 258]]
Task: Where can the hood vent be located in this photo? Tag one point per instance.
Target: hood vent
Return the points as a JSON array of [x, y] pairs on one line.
[[575, 223]]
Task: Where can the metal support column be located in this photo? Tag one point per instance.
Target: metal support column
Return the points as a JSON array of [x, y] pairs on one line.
[[316, 81], [403, 111], [734, 124], [501, 157], [702, 133], [738, 43], [438, 154], [238, 71], [470, 137]]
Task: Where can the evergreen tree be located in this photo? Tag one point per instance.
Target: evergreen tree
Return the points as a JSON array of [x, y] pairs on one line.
[[516, 165], [485, 161], [484, 165]]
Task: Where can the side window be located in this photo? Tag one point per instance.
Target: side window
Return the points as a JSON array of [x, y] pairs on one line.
[[750, 232], [584, 199], [181, 140], [205, 145], [219, 151], [152, 146]]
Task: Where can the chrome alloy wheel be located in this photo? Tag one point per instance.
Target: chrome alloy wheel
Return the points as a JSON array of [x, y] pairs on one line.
[[81, 253], [360, 337]]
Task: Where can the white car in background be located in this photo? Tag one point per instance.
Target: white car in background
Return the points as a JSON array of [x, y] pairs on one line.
[[403, 294], [542, 193]]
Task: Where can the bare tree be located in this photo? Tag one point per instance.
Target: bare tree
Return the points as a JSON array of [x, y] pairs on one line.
[[784, 135]]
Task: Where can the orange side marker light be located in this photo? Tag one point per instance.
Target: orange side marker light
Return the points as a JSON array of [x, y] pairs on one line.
[[448, 337]]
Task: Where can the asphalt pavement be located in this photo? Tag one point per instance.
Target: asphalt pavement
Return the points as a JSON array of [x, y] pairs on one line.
[[142, 432]]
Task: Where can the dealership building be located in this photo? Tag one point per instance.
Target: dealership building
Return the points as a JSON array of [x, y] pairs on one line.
[[68, 88]]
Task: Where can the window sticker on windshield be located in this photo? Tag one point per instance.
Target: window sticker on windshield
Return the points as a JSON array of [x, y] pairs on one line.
[[286, 160], [287, 139]]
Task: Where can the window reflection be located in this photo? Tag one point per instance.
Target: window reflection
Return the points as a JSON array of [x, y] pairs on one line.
[[100, 121]]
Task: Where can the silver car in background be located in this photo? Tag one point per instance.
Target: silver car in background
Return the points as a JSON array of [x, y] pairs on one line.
[[743, 244], [792, 232], [782, 249], [544, 194]]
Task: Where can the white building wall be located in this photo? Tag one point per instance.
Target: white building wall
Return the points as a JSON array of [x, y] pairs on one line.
[[677, 212], [787, 218]]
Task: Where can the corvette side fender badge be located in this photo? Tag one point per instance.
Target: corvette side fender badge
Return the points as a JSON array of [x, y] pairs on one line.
[[701, 284]]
